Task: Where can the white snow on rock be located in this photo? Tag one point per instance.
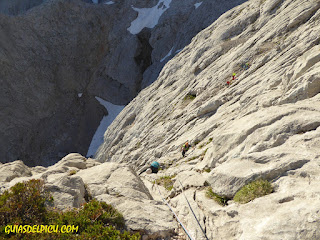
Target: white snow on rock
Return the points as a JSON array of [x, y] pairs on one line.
[[148, 17], [109, 2], [168, 55], [79, 95], [196, 5], [113, 111]]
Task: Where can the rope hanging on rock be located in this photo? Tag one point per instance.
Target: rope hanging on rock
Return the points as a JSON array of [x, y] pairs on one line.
[[193, 212], [185, 230]]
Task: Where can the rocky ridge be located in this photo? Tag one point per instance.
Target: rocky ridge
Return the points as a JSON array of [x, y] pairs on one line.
[[264, 125], [74, 180]]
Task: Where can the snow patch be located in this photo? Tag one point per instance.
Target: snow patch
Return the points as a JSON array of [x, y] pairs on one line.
[[95, 1], [196, 5], [97, 139], [109, 3], [148, 17], [79, 95], [169, 54]]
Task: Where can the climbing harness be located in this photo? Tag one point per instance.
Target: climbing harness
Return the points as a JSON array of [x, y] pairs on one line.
[[185, 230], [193, 212]]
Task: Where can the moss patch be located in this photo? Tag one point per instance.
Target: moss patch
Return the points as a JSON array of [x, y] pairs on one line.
[[253, 190], [72, 172], [219, 199], [189, 97]]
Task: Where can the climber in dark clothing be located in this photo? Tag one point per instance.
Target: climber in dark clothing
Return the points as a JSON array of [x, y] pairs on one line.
[[185, 148], [154, 168]]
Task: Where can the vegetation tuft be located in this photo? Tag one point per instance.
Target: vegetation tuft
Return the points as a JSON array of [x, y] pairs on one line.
[[72, 172], [223, 201], [204, 144], [27, 203], [204, 152], [196, 142], [166, 182], [253, 190], [189, 97]]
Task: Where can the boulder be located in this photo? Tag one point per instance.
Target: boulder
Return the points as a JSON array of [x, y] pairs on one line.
[[74, 160], [12, 170], [67, 192]]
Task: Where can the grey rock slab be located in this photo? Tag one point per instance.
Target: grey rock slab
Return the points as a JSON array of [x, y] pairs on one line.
[[152, 219], [109, 178], [12, 170], [67, 192], [74, 160]]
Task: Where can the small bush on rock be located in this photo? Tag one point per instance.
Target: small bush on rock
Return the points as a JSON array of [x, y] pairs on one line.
[[253, 190], [166, 182], [189, 97], [24, 203], [219, 199], [27, 204]]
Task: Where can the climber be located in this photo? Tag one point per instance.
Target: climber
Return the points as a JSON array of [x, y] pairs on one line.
[[234, 77], [245, 66], [185, 148], [153, 168]]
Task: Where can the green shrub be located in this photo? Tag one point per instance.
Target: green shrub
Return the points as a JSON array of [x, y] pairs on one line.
[[166, 182], [189, 97], [26, 204], [219, 199], [253, 190]]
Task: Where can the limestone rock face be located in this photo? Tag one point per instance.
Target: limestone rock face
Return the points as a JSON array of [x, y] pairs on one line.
[[12, 170], [265, 124], [52, 51]]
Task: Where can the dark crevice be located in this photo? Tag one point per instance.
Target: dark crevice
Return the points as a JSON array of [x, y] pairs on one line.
[[143, 54], [308, 128], [87, 194]]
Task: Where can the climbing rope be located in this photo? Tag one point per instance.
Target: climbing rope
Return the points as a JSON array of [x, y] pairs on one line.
[[193, 212], [185, 230]]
